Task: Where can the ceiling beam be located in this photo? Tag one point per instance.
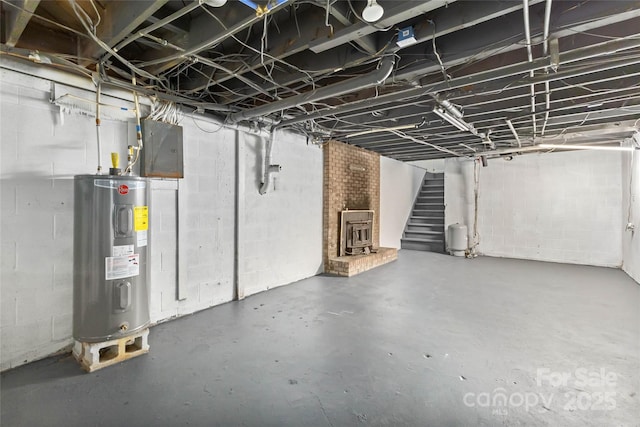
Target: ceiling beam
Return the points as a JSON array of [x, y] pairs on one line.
[[341, 11], [395, 12], [17, 18], [343, 57], [457, 26], [118, 20], [281, 45], [201, 38]]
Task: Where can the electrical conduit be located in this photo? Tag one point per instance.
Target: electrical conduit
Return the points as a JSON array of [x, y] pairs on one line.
[[98, 128], [138, 131], [527, 34]]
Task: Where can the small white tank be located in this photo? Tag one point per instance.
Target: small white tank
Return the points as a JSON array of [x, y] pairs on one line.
[[458, 239]]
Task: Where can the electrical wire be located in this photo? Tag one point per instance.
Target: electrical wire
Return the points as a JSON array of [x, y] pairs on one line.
[[81, 15], [47, 20], [205, 130], [446, 76]]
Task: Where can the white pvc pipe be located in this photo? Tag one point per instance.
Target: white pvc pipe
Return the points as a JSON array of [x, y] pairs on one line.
[[98, 89], [527, 34], [545, 46]]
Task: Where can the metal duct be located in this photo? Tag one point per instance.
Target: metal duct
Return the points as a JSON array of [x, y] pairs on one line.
[[372, 79], [269, 169]]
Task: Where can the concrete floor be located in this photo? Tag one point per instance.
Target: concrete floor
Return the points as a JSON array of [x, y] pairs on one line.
[[427, 340]]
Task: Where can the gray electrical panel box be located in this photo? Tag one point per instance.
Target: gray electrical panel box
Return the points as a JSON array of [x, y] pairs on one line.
[[161, 156]]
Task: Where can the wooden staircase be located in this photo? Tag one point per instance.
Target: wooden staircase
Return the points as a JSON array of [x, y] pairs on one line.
[[425, 229]]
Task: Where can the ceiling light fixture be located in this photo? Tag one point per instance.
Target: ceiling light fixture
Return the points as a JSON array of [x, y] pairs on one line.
[[584, 147], [372, 11], [214, 3], [458, 123], [386, 129]]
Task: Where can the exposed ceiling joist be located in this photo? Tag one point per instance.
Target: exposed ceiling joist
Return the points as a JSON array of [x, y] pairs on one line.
[[296, 63], [395, 12], [16, 20], [116, 23]]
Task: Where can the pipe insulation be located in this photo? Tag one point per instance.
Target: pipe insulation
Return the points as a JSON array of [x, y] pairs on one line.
[[375, 78]]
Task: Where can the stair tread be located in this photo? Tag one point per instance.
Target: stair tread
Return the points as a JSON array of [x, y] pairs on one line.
[[425, 227], [422, 240], [425, 232]]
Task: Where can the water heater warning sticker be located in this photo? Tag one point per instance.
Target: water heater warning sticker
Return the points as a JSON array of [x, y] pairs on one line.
[[141, 218], [119, 267], [141, 238]]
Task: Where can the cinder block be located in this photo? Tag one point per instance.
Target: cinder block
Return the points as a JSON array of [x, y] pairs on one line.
[[169, 302], [62, 327], [8, 255], [43, 305], [8, 93], [8, 309], [200, 273], [9, 137], [20, 342], [63, 227], [63, 275], [169, 262], [34, 255], [216, 292]]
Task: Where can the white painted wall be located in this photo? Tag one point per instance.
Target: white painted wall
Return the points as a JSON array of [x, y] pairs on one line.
[[561, 207], [38, 159], [282, 230], [458, 195], [631, 213], [399, 185]]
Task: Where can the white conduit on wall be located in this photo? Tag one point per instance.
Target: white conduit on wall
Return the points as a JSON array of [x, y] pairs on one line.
[[545, 52], [98, 89], [527, 34]]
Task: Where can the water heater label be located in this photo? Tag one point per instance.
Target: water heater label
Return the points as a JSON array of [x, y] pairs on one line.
[[119, 267], [141, 238], [141, 218], [122, 250]]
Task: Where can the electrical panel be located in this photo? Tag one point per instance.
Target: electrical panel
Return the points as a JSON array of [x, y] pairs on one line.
[[161, 156]]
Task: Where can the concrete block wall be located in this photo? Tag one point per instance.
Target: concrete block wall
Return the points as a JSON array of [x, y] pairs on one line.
[[39, 157], [282, 229], [631, 213], [399, 185], [561, 207]]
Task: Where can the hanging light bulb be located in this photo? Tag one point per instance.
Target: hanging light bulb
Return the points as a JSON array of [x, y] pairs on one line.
[[215, 3], [372, 11]]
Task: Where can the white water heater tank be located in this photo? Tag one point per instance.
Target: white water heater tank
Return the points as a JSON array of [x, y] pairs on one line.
[[458, 239]]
